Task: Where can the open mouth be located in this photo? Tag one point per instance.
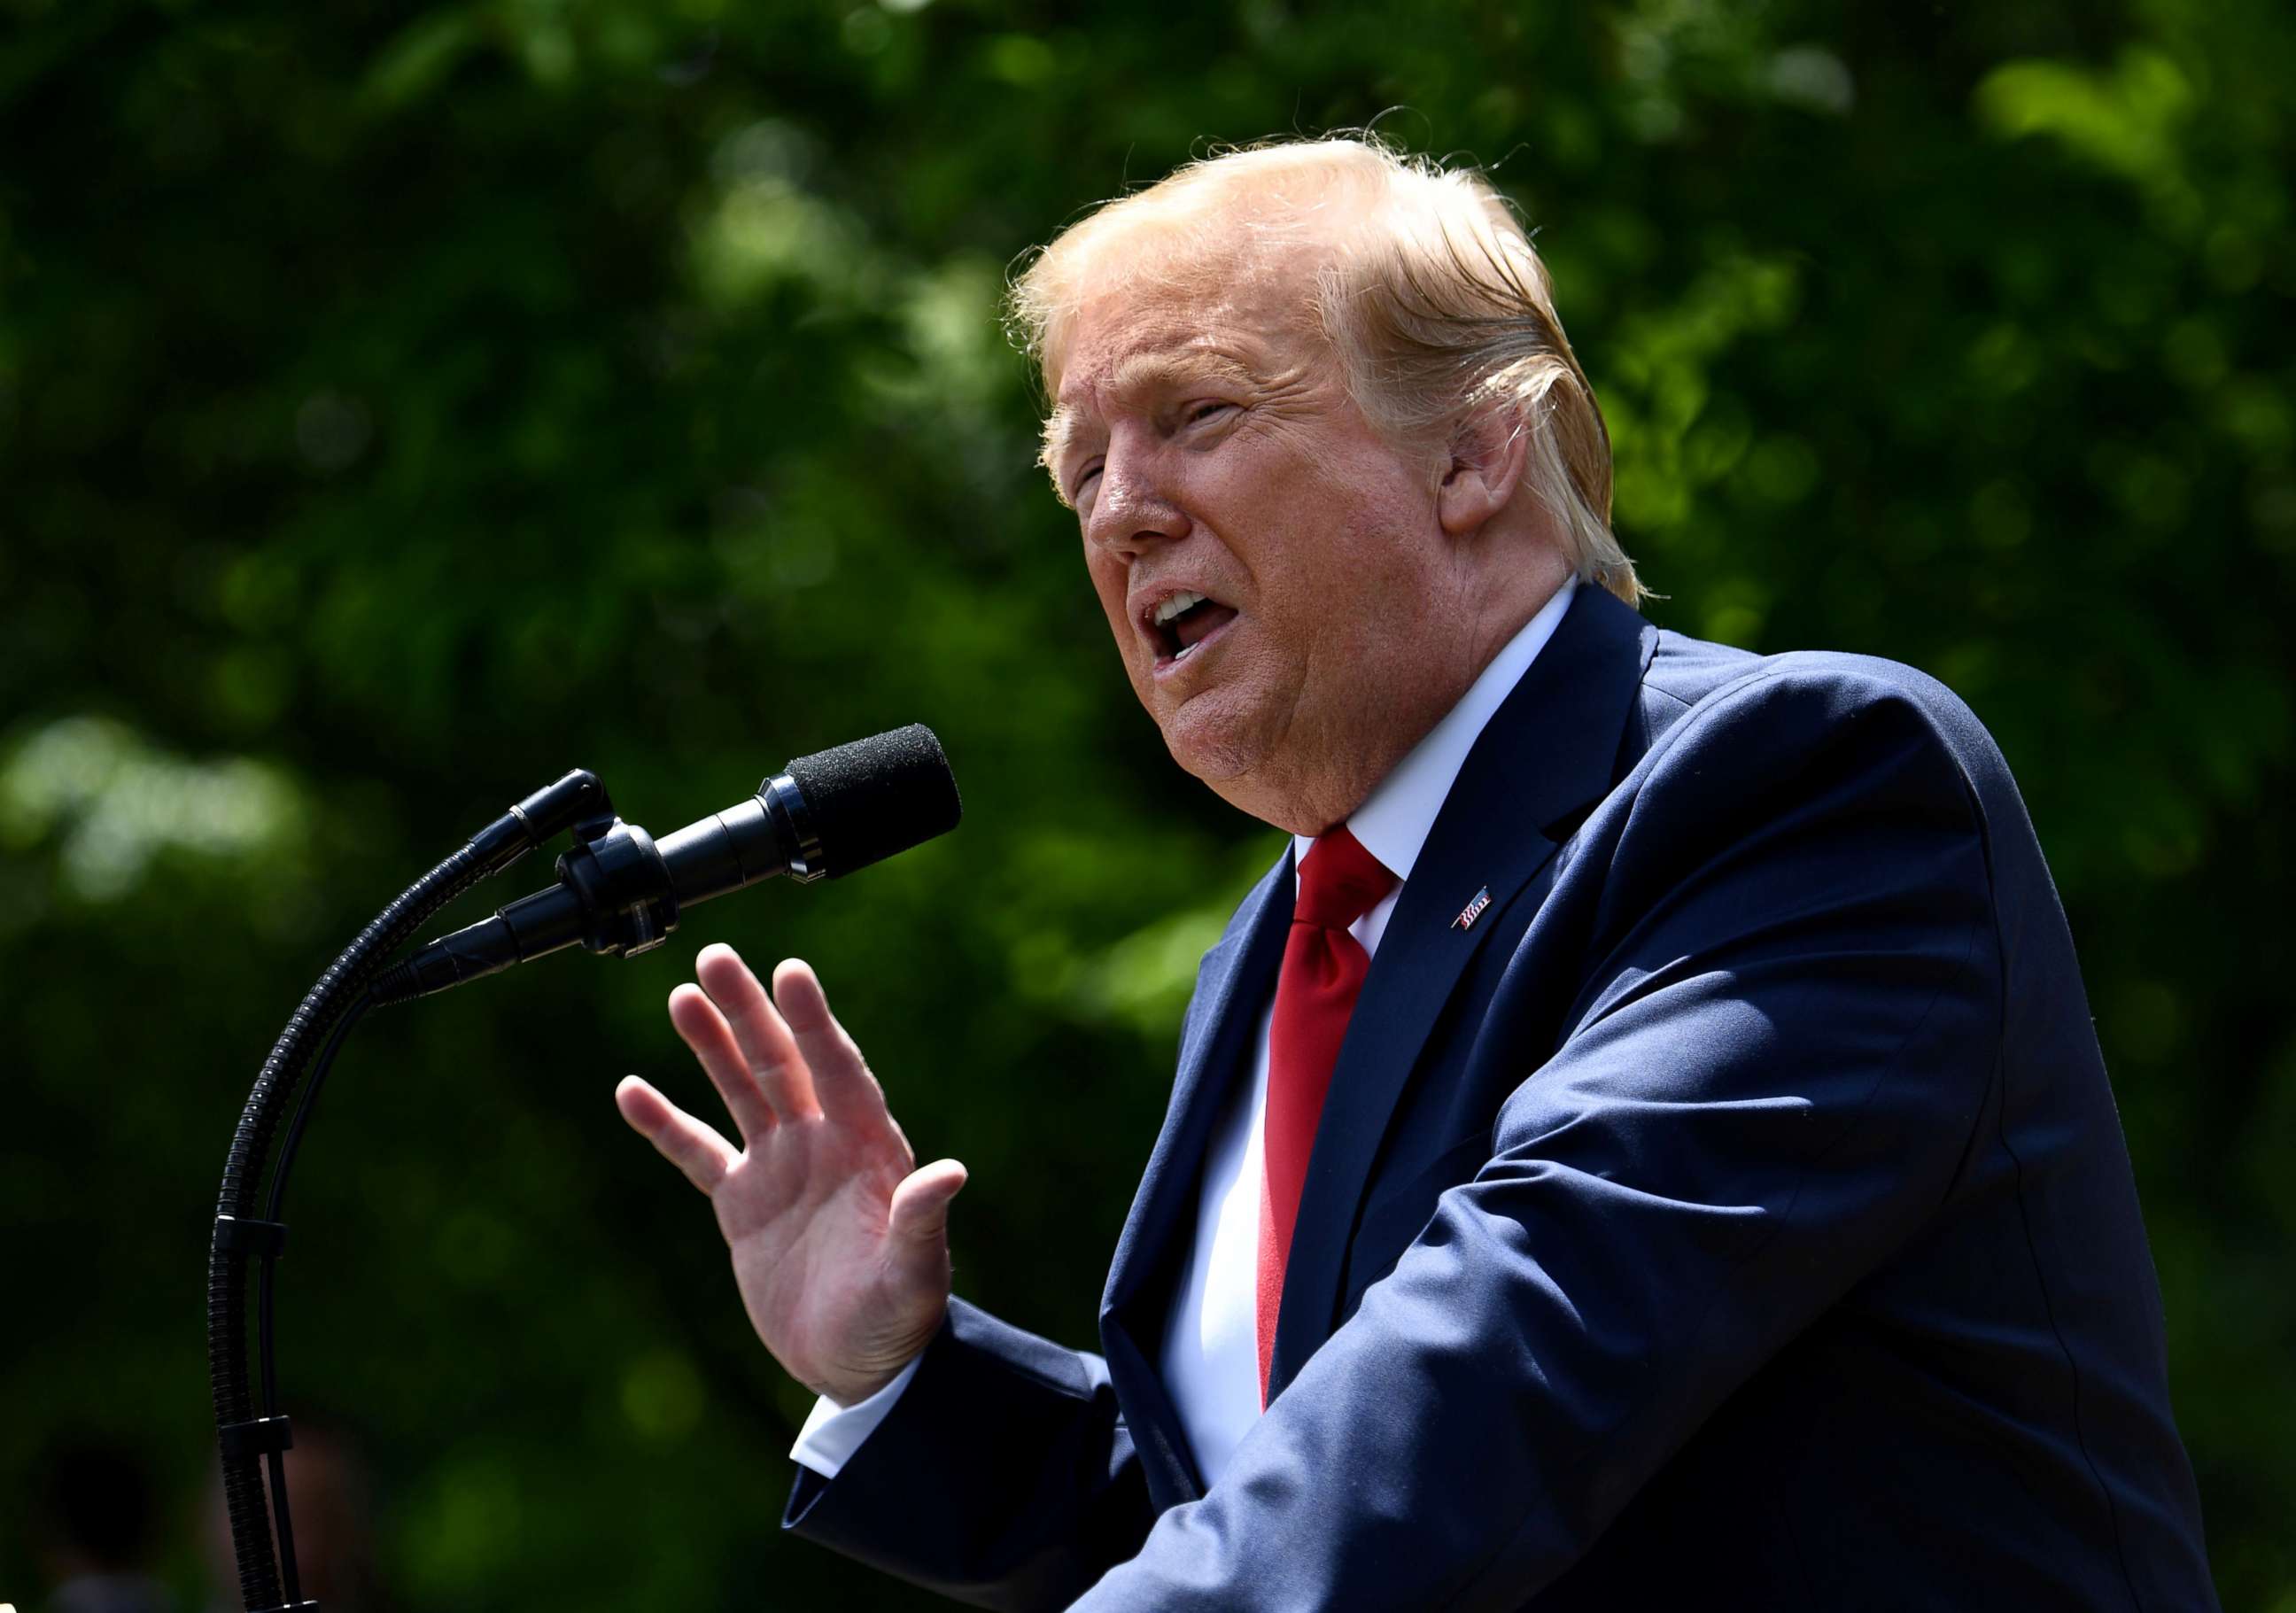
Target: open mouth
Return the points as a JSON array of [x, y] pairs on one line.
[[1180, 624]]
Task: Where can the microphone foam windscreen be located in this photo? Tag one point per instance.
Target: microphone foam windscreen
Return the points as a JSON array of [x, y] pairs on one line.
[[875, 797]]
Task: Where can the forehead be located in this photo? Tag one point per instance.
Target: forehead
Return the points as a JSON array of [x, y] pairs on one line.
[[1251, 324], [1145, 361]]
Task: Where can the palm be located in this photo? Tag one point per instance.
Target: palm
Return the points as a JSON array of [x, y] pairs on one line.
[[806, 1214], [838, 1246]]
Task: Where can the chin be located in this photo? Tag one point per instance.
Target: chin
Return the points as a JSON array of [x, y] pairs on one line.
[[1211, 740]]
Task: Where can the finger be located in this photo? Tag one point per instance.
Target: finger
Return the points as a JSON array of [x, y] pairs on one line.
[[919, 1216], [773, 1057], [841, 1081], [701, 1027], [700, 1153]]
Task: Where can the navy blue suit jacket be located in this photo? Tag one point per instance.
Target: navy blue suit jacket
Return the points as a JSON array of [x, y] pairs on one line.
[[1734, 1215]]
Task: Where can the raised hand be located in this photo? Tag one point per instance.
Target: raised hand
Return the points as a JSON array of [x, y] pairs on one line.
[[840, 1246]]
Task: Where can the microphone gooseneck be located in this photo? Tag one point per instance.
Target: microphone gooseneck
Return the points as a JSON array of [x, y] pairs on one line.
[[620, 890]]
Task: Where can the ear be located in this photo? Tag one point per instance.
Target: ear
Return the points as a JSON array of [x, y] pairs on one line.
[[1487, 457]]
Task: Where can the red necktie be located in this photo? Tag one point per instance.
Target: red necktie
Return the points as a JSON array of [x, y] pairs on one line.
[[1323, 969]]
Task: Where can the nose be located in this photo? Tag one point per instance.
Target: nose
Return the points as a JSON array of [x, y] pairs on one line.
[[1131, 510]]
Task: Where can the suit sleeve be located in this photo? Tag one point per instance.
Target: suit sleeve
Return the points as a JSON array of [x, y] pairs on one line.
[[1002, 1476], [1767, 1081]]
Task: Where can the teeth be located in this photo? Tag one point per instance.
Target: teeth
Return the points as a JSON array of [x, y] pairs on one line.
[[1176, 604], [1186, 651]]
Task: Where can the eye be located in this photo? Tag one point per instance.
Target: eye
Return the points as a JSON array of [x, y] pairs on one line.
[[1198, 413], [1084, 481]]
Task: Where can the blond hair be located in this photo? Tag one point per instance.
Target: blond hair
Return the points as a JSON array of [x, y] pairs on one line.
[[1432, 298]]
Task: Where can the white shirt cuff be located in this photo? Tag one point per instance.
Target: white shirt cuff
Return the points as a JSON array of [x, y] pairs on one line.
[[833, 1432]]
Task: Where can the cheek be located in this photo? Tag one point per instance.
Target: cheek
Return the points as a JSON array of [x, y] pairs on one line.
[[1108, 584]]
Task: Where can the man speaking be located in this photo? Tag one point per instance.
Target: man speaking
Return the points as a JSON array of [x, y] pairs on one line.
[[1644, 1145]]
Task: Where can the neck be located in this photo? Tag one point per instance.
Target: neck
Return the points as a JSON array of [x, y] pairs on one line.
[[1316, 782]]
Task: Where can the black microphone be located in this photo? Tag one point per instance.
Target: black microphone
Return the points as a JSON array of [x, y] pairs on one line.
[[620, 891]]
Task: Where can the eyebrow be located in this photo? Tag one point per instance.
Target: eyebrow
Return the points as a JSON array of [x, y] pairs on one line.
[[1144, 372]]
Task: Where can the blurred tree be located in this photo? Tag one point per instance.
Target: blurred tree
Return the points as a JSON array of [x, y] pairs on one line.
[[401, 403]]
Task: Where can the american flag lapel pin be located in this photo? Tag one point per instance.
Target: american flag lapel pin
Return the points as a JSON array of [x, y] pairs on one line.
[[1472, 910]]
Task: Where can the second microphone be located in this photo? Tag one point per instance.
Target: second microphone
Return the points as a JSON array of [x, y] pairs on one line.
[[620, 890]]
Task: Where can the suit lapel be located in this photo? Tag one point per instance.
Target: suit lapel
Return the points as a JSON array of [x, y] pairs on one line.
[[1546, 752], [1236, 978]]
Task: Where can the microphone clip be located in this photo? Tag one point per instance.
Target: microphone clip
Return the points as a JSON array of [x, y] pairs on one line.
[[615, 893], [629, 904]]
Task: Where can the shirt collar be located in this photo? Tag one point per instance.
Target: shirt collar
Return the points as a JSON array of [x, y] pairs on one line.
[[1394, 821]]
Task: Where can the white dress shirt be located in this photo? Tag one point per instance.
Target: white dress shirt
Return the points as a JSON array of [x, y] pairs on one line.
[[1210, 1356]]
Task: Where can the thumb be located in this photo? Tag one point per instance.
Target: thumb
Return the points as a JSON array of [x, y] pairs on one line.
[[920, 1207]]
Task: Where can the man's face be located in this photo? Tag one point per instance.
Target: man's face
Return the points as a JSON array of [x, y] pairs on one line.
[[1210, 448]]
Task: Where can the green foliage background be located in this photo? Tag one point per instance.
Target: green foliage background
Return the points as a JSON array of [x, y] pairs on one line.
[[400, 403]]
